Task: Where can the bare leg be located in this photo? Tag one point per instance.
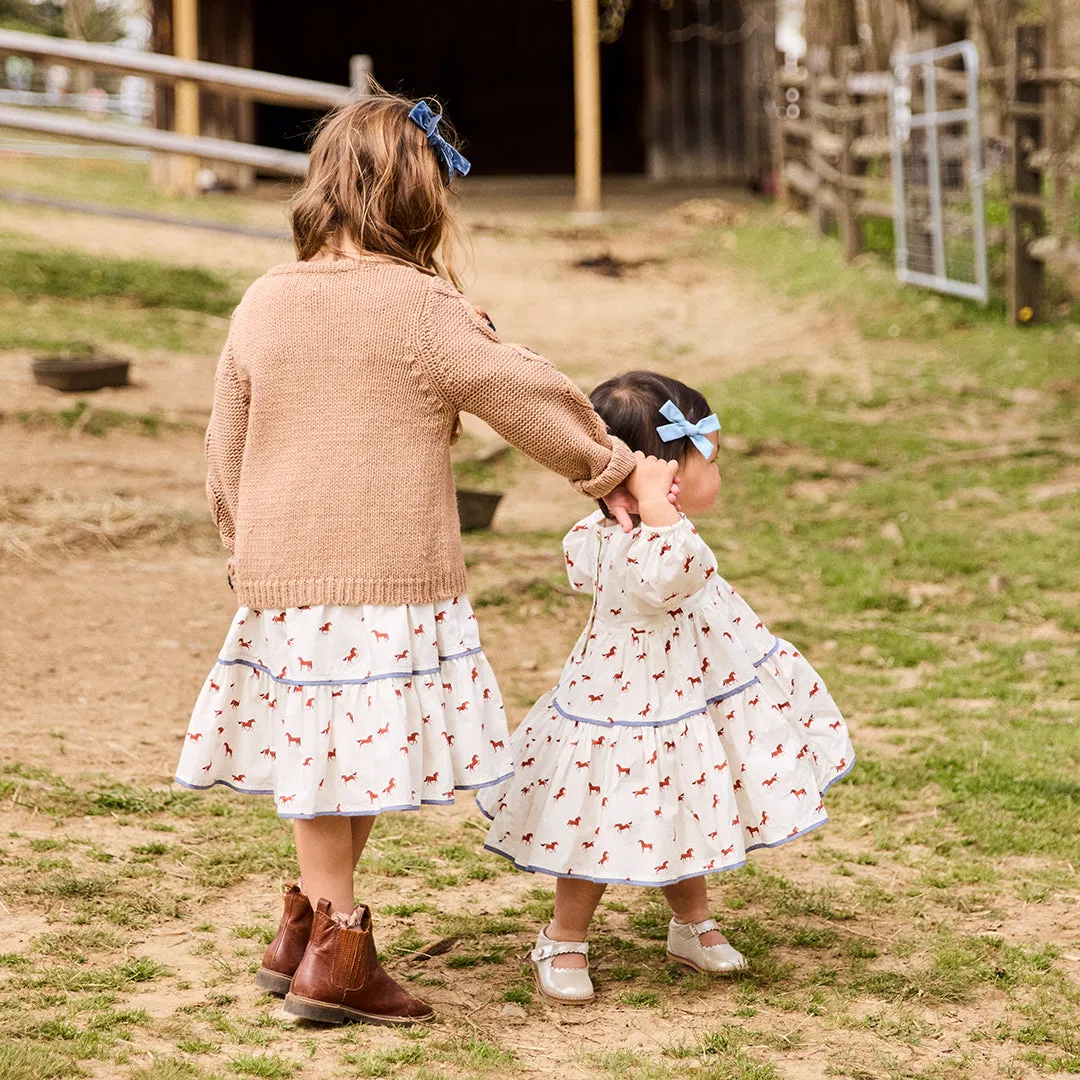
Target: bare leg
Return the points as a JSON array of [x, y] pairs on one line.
[[575, 902], [689, 903], [324, 848], [361, 830]]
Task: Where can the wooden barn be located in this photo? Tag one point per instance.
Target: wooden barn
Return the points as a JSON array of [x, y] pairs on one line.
[[685, 84]]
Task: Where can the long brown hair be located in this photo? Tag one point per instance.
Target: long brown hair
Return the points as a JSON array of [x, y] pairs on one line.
[[374, 180]]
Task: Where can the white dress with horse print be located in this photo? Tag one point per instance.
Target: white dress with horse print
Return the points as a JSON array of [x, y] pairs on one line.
[[681, 734], [349, 709]]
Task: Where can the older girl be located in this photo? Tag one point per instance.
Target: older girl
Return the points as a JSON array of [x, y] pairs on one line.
[[352, 680]]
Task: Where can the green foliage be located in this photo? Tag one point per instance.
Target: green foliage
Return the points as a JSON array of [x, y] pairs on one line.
[[73, 276], [87, 22], [268, 1066], [93, 420]]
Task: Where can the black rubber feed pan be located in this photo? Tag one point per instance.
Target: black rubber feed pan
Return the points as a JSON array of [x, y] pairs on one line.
[[476, 509], [80, 373]]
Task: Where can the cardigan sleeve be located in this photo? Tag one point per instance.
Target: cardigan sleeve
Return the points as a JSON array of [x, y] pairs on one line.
[[225, 439], [520, 394]]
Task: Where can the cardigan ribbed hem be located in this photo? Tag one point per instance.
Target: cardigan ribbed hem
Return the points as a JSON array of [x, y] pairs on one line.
[[616, 471], [337, 396], [301, 592]]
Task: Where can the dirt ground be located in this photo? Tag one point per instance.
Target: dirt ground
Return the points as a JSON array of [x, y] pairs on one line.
[[105, 606], [107, 641]]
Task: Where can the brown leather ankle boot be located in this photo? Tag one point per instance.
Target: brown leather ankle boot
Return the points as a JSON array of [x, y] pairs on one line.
[[284, 953], [340, 978]]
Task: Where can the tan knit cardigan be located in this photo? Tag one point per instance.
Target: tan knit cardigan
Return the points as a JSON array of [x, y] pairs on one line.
[[336, 401]]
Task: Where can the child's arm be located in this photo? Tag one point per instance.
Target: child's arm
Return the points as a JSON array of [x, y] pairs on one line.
[[520, 394], [672, 563], [225, 439], [668, 561]]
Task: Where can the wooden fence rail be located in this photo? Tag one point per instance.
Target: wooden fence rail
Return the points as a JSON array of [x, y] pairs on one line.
[[240, 82], [243, 83], [264, 158]]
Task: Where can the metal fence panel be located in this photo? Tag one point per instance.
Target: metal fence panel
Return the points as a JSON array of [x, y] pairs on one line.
[[940, 228]]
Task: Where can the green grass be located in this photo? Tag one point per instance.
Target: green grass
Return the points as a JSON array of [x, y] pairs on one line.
[[127, 185], [56, 300], [268, 1066], [95, 420], [377, 1063], [31, 1061], [74, 276], [50, 326]]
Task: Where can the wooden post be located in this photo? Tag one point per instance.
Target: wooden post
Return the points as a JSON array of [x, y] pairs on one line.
[[1057, 139], [226, 36], [186, 46], [779, 143], [587, 107], [850, 234], [1025, 274], [817, 64], [360, 75], [655, 95]]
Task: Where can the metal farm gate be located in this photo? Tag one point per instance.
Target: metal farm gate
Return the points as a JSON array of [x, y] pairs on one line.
[[940, 231]]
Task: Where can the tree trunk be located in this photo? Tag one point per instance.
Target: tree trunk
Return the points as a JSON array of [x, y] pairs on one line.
[[953, 13], [76, 23], [77, 18], [831, 24]]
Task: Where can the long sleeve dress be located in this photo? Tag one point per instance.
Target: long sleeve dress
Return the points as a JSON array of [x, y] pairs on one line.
[[681, 734]]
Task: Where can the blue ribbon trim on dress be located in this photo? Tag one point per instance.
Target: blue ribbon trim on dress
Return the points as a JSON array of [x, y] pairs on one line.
[[755, 681], [345, 813], [715, 700], [530, 869], [837, 778], [349, 682], [775, 646]]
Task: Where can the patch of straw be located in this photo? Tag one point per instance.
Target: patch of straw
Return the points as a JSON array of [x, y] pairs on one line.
[[37, 524]]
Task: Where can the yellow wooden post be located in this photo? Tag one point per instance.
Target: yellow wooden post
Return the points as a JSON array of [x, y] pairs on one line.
[[587, 106], [186, 46]]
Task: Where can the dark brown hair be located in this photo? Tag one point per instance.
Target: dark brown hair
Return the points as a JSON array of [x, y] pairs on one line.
[[374, 180], [630, 406]]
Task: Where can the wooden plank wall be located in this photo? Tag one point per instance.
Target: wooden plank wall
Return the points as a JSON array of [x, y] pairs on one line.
[[707, 75]]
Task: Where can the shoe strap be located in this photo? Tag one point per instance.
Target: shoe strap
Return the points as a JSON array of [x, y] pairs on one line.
[[700, 928], [559, 948]]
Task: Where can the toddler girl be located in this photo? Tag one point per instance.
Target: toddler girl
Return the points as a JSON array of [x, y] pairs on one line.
[[682, 733], [352, 680]]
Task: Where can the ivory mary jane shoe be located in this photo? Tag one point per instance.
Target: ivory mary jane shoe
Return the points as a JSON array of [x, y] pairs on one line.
[[571, 986], [684, 947]]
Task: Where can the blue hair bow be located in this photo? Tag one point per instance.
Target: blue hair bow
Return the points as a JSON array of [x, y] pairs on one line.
[[680, 428], [428, 122]]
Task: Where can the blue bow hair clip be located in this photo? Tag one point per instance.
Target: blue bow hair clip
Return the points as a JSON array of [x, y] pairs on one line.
[[680, 428], [428, 122]]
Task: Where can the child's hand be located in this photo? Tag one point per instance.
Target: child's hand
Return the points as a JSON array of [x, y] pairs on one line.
[[650, 483], [651, 491]]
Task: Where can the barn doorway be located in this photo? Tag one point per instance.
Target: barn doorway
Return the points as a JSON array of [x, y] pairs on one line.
[[504, 71]]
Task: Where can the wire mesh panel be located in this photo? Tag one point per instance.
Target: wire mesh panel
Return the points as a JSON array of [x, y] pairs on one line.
[[937, 171]]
